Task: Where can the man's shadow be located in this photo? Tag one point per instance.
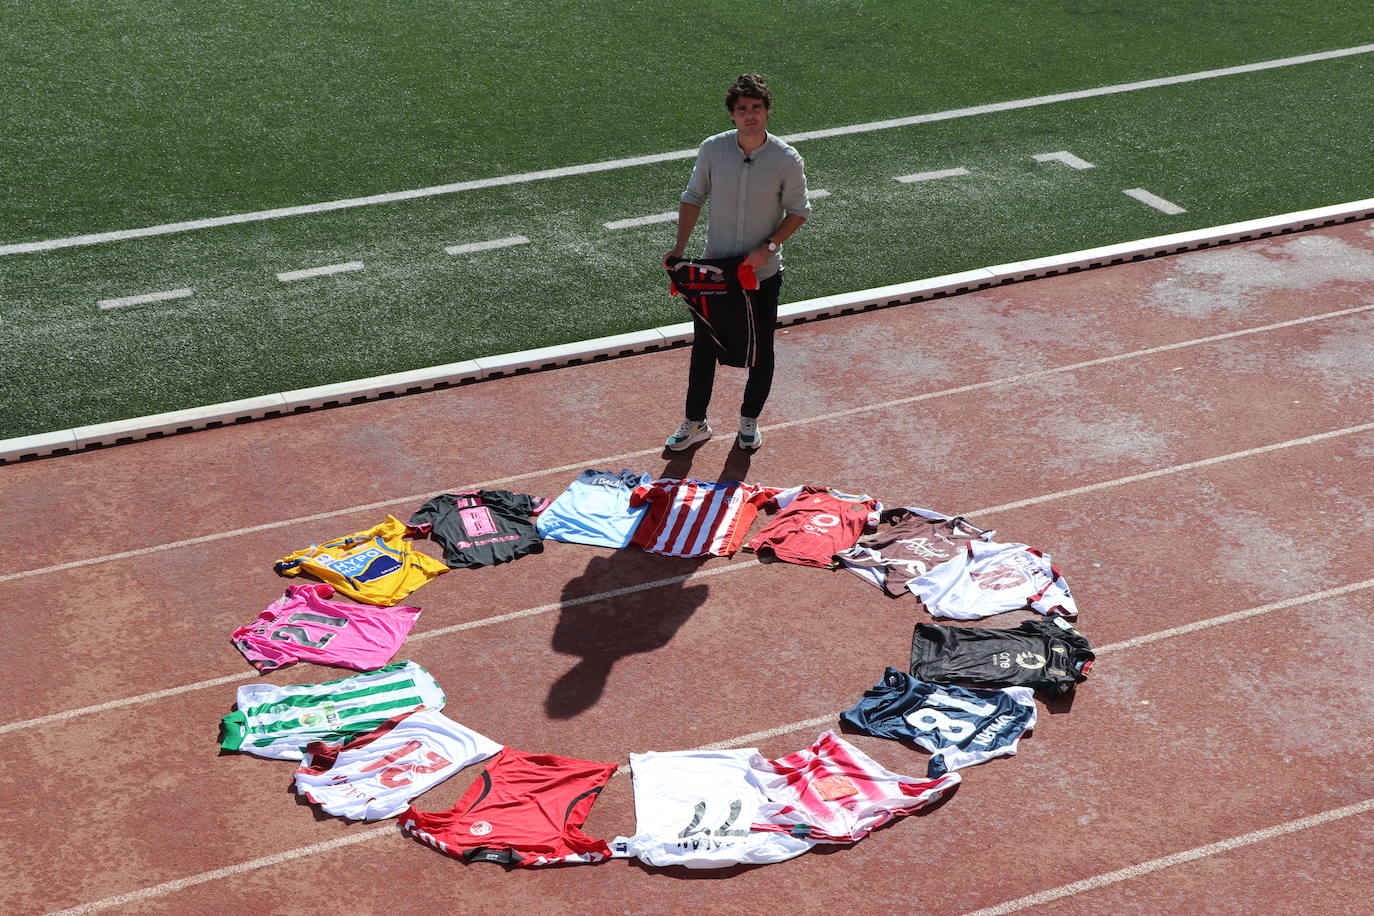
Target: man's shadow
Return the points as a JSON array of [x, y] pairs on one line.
[[603, 630], [637, 616]]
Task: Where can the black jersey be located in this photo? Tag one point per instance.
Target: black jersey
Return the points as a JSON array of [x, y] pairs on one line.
[[482, 527], [1047, 655], [717, 291]]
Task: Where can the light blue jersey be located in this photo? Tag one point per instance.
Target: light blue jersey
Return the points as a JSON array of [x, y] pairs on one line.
[[595, 509]]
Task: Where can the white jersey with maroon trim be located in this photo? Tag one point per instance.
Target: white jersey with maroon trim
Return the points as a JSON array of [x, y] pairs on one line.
[[832, 792], [813, 524], [989, 578], [695, 808], [694, 518], [375, 775]]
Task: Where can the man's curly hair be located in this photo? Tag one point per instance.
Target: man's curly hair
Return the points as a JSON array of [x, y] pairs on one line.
[[748, 85]]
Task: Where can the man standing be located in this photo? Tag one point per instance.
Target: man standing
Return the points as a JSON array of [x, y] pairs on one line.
[[756, 188]]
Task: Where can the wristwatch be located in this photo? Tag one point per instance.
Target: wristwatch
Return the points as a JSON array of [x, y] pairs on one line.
[[772, 245]]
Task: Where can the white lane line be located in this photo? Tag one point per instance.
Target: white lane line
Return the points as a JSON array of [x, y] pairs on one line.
[[98, 238], [670, 217], [1064, 156], [1180, 468], [325, 271], [1154, 200], [1178, 858], [754, 738], [164, 296], [169, 887], [471, 247], [1210, 622], [930, 176], [625, 456]]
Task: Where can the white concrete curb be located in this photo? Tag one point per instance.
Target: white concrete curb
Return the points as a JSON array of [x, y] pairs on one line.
[[401, 383]]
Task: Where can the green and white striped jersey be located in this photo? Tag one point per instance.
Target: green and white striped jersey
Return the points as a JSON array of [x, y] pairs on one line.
[[280, 721]]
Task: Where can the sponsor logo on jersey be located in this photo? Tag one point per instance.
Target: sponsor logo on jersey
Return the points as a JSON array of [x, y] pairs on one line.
[[480, 828]]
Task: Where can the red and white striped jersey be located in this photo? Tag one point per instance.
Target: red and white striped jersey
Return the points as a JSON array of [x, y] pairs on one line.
[[694, 518], [832, 792]]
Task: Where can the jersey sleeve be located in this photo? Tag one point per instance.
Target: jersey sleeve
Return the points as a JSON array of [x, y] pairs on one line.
[[784, 498], [423, 519], [1055, 597]]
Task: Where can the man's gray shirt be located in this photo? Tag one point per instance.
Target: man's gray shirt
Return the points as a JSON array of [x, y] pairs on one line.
[[747, 199]]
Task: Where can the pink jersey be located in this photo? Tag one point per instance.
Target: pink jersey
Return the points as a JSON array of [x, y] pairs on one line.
[[814, 524], [832, 792], [302, 626], [695, 518]]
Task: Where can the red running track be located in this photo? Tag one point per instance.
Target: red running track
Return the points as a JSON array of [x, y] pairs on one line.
[[1190, 437]]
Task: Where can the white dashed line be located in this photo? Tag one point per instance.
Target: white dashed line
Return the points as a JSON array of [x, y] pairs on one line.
[[325, 271], [146, 298], [470, 247], [100, 238], [1065, 157], [931, 176], [670, 217], [1152, 200]]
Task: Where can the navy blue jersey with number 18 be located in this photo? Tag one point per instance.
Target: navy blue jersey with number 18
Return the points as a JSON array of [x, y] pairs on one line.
[[960, 726]]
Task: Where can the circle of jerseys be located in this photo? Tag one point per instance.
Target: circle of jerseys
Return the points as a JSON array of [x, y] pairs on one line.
[[374, 776], [960, 726]]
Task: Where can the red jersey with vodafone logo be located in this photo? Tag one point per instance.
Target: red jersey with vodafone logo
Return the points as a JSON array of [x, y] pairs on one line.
[[814, 524]]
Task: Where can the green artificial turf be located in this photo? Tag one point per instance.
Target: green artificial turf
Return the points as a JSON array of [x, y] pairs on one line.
[[129, 115]]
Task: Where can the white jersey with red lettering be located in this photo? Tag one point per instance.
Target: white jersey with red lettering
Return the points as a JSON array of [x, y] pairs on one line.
[[832, 792], [695, 808], [375, 775], [989, 578], [694, 518]]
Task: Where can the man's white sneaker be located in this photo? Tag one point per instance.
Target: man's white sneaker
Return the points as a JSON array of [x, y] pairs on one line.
[[689, 433], [749, 437]]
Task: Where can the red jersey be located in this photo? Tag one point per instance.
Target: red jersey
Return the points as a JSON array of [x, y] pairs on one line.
[[815, 524], [694, 518]]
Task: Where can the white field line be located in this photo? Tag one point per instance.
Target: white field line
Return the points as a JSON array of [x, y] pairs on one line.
[[1065, 157], [471, 247], [325, 271], [607, 460], [164, 296], [669, 217], [753, 738], [99, 238], [1154, 200], [931, 176], [1178, 858], [751, 564]]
